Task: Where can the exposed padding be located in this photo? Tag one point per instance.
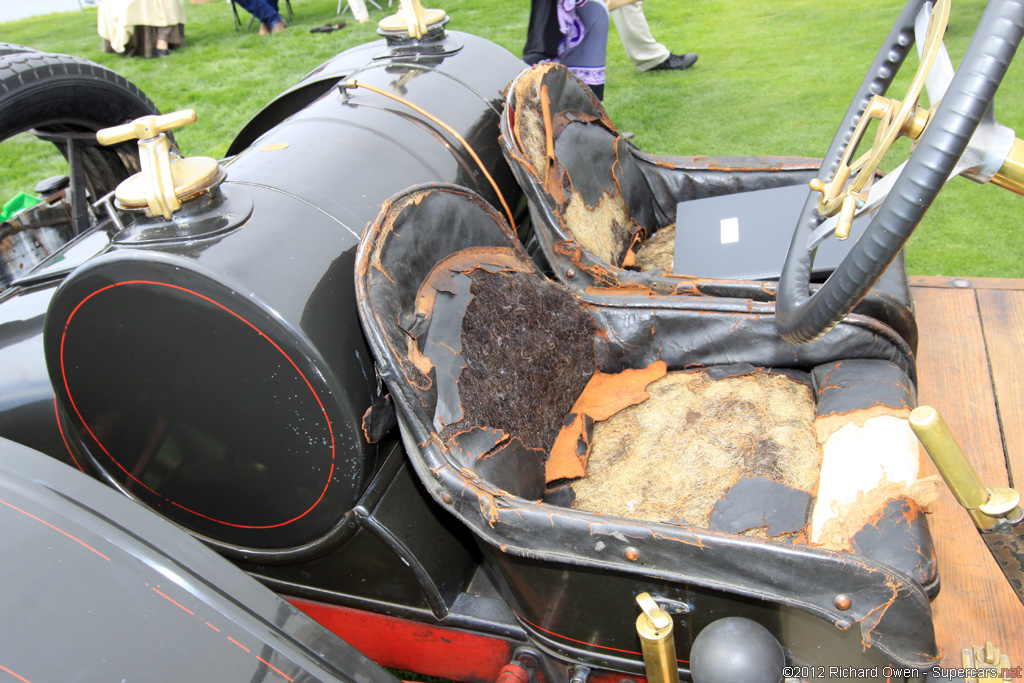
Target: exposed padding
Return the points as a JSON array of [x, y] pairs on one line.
[[574, 154], [528, 350], [603, 230], [530, 129], [658, 251], [671, 458], [865, 464], [441, 303]]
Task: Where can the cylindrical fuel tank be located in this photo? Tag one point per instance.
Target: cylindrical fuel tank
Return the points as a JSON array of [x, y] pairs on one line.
[[213, 366]]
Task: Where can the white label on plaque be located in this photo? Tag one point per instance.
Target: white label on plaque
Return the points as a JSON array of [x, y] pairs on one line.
[[730, 230]]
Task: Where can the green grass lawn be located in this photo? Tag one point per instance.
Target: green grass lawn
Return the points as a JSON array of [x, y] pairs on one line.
[[774, 77]]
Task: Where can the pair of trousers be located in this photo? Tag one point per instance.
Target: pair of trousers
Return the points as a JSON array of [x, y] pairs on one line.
[[642, 49], [586, 57], [264, 10]]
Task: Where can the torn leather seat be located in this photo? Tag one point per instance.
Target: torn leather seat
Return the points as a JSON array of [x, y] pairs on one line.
[[601, 444], [604, 212]]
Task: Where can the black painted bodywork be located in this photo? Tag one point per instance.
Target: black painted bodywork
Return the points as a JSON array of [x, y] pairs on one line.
[[129, 596]]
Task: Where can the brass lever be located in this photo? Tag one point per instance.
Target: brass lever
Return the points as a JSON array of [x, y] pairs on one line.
[[986, 506], [996, 512]]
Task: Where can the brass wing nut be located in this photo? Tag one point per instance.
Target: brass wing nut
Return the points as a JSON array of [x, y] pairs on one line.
[[166, 179], [986, 664]]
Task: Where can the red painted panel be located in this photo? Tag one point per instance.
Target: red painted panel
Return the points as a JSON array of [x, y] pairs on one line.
[[412, 646]]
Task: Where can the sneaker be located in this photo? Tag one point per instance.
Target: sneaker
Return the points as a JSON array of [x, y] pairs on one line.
[[677, 62]]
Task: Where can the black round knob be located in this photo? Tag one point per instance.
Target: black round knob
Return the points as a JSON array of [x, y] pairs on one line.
[[736, 650], [52, 184]]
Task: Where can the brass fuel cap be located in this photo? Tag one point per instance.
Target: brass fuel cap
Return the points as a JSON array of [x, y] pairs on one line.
[[412, 20], [166, 179]]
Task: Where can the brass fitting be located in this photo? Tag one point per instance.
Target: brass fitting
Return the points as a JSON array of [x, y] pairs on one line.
[[412, 18], [1011, 175], [987, 507], [986, 658], [654, 625], [166, 179]]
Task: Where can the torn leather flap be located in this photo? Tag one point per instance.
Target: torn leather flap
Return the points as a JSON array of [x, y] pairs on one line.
[[515, 468], [379, 419], [759, 502], [898, 536], [604, 395], [443, 346], [859, 389], [501, 460]]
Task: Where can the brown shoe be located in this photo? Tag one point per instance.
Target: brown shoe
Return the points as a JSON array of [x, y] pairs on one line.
[[264, 30], [278, 27]]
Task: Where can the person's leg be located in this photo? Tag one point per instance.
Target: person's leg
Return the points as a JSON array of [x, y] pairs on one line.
[[586, 58], [359, 10], [542, 33], [162, 47], [642, 49], [264, 11]]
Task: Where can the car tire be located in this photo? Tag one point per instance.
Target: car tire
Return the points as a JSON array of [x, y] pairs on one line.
[[11, 48], [56, 93]]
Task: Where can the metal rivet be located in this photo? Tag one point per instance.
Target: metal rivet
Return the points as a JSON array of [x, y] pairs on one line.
[[570, 273], [632, 554], [446, 498], [527, 660], [843, 625], [842, 601]]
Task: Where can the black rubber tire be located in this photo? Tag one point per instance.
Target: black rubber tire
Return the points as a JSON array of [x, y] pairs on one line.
[[11, 48], [61, 93], [802, 317]]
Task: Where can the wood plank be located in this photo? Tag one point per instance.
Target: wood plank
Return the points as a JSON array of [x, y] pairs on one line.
[[946, 282], [1002, 318], [975, 603]]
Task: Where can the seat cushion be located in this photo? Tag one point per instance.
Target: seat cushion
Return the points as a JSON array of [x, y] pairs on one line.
[[674, 456]]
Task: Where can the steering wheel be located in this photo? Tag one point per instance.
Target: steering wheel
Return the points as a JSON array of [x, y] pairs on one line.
[[803, 316]]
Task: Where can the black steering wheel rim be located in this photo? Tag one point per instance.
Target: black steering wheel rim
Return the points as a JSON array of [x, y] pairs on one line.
[[803, 316]]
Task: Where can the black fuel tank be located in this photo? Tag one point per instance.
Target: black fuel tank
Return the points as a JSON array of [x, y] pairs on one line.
[[213, 366]]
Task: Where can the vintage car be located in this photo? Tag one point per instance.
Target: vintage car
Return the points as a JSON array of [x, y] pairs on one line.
[[442, 358]]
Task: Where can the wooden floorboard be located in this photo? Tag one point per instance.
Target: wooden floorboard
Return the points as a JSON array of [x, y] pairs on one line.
[[975, 603], [1002, 317], [965, 282]]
